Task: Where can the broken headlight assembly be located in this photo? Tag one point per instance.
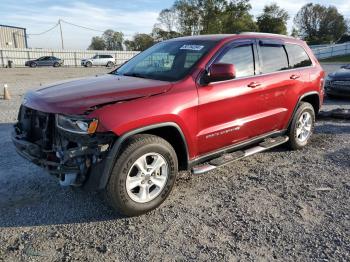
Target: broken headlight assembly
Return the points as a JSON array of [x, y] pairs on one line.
[[76, 124]]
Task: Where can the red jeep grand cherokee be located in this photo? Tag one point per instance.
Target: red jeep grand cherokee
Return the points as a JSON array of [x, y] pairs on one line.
[[192, 103]]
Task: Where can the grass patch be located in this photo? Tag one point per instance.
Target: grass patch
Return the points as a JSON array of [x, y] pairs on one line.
[[341, 58]]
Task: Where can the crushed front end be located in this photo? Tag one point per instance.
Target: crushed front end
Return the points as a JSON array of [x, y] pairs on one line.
[[64, 146]]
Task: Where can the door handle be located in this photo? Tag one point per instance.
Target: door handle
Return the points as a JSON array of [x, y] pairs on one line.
[[253, 84], [293, 77]]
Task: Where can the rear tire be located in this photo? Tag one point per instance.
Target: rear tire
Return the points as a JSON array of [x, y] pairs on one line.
[[302, 126], [110, 64], [143, 175]]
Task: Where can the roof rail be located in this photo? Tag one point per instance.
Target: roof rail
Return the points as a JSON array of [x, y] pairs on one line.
[[267, 34]]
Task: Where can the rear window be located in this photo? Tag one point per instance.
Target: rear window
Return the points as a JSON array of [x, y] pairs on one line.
[[274, 58], [297, 56]]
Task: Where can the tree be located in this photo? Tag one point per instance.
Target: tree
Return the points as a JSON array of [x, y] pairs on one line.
[[212, 14], [237, 17], [159, 34], [318, 24], [188, 16], [168, 19], [140, 42], [97, 43], [273, 20], [113, 40], [295, 32]]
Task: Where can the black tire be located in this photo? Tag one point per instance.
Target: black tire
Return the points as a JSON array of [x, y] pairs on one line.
[[56, 64], [294, 142], [33, 64], [110, 64], [134, 148], [88, 64]]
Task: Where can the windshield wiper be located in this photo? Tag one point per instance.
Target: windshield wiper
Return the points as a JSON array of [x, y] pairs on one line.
[[135, 75]]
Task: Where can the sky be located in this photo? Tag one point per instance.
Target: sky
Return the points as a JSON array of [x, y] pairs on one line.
[[129, 17]]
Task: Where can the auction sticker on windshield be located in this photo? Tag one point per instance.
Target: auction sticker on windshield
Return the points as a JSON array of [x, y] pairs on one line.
[[192, 47]]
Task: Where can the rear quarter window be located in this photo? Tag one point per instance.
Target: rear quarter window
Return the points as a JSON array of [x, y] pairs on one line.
[[297, 56]]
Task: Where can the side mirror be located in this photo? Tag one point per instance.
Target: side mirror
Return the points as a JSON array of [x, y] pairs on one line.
[[220, 72]]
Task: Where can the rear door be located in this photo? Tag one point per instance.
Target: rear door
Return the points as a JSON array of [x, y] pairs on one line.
[[104, 59], [281, 83]]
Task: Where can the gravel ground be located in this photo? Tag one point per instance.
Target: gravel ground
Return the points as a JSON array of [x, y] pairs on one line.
[[278, 205]]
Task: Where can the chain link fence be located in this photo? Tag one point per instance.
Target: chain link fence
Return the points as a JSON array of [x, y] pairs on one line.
[[19, 56]]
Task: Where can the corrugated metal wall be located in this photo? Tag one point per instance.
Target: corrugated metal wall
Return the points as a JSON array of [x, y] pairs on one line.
[[12, 37], [70, 57]]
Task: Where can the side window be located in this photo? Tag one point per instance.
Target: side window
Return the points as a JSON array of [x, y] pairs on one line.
[[274, 58], [242, 58], [297, 56]]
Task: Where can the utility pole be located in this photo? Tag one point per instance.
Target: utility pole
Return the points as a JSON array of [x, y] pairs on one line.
[[59, 22]]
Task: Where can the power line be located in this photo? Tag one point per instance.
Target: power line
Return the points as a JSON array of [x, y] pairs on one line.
[[87, 28], [48, 30]]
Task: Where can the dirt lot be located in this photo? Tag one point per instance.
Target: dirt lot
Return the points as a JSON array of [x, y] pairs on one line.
[[279, 205]]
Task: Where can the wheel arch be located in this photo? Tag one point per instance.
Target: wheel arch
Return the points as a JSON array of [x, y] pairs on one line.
[[169, 131], [311, 97]]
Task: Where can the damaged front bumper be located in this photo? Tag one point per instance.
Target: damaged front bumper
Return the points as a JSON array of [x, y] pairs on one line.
[[74, 158]]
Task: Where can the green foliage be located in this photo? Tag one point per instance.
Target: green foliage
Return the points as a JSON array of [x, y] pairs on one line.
[[97, 43], [318, 24], [273, 20], [110, 40], [213, 16], [140, 42], [113, 40], [237, 18], [295, 32], [159, 34], [188, 16]]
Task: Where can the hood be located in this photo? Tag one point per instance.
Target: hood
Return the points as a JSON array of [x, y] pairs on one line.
[[78, 96], [341, 74]]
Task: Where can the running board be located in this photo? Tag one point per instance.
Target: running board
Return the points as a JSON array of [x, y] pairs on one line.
[[234, 156]]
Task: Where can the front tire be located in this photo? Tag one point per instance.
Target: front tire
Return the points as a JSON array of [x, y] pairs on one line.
[[302, 126], [88, 64], [143, 176], [33, 64]]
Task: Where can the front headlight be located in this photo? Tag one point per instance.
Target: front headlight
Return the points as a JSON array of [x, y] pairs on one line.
[[76, 124]]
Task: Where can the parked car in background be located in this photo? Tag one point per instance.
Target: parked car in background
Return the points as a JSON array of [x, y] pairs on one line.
[[192, 103], [45, 61], [99, 60], [338, 83]]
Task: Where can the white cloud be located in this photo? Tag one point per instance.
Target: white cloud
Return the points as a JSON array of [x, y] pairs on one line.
[[37, 20]]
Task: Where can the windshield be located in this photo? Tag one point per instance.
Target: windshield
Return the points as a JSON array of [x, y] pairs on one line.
[[167, 61]]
